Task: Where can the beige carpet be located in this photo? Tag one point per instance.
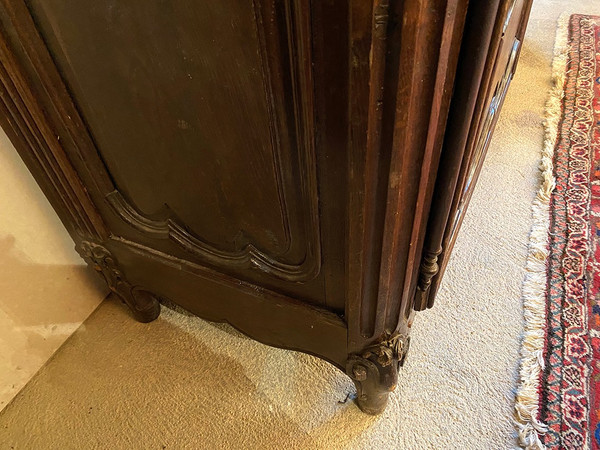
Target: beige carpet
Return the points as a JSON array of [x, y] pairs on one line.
[[181, 382]]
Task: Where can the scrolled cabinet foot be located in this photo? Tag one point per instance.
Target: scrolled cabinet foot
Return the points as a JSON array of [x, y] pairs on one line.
[[375, 372], [144, 305]]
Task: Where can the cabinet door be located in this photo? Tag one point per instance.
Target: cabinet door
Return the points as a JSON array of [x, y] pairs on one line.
[[201, 119], [511, 28], [200, 114], [468, 137], [189, 130]]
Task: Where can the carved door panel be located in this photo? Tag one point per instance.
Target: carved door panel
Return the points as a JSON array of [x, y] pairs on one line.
[[201, 129]]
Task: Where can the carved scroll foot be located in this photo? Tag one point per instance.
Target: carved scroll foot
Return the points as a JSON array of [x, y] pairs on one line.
[[144, 305], [373, 383], [375, 372]]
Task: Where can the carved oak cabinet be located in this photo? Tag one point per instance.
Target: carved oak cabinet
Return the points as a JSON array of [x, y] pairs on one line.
[[297, 168]]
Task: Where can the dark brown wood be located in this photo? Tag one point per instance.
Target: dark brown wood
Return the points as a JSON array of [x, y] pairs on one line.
[[375, 371], [471, 138], [474, 51], [272, 164], [406, 113], [143, 304]]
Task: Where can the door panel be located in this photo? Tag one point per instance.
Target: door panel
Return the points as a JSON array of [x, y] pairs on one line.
[[500, 79], [499, 66], [196, 85]]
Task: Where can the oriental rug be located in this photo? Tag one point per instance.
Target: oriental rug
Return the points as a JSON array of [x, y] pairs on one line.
[[558, 400]]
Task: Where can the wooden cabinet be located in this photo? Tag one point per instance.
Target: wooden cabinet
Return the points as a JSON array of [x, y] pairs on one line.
[[282, 165]]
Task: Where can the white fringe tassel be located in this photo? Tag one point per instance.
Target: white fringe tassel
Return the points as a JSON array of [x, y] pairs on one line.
[[534, 287]]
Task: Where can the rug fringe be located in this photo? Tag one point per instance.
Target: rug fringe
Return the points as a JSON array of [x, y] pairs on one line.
[[534, 287]]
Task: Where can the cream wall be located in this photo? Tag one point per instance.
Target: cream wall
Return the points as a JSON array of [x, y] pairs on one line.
[[46, 291]]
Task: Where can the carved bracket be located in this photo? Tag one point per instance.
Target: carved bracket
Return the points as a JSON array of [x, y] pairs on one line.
[[375, 371], [144, 306]]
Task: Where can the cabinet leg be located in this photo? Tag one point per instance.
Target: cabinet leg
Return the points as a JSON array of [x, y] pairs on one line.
[[143, 304], [375, 372]]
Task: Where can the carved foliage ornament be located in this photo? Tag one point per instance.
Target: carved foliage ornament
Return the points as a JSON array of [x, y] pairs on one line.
[[392, 348], [144, 306]]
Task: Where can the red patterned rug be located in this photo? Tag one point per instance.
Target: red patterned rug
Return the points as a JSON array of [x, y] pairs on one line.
[[558, 403]]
